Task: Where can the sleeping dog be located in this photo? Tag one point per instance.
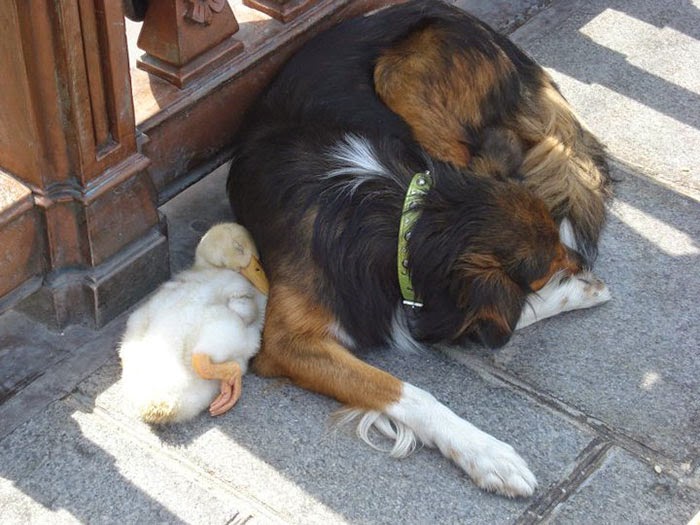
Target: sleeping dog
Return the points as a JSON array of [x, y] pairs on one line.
[[412, 177]]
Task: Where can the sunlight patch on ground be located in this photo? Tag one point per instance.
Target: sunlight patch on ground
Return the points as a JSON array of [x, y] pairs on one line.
[[642, 43], [666, 238], [162, 471], [649, 380], [624, 124], [132, 464], [695, 520], [19, 507]]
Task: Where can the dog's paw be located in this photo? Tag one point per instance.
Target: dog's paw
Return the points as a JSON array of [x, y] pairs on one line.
[[496, 467], [585, 290]]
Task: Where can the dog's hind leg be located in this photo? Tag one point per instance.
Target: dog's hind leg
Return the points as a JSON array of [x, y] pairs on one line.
[[564, 165], [298, 343]]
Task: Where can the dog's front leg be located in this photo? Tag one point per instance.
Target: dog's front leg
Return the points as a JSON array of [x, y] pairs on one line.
[[298, 343], [562, 294], [492, 464]]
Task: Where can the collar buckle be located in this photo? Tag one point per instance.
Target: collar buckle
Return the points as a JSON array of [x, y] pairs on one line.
[[412, 304]]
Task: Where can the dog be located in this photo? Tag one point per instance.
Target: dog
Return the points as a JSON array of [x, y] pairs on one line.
[[411, 177]]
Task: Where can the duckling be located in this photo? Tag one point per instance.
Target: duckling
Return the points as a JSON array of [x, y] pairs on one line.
[[195, 335]]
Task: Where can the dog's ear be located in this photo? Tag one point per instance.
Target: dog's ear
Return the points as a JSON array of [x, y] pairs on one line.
[[492, 321], [491, 301]]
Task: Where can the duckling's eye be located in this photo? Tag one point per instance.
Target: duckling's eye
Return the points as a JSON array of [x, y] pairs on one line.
[[238, 247]]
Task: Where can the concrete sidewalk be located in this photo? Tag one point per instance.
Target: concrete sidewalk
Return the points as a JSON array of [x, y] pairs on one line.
[[604, 404]]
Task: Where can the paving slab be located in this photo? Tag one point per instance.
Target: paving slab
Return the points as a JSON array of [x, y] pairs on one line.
[[625, 491], [28, 349], [279, 447], [58, 379], [68, 466]]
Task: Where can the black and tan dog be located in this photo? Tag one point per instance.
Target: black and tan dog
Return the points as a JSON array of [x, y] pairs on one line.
[[406, 177]]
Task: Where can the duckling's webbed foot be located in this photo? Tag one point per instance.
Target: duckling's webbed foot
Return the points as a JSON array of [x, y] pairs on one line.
[[230, 375], [230, 393]]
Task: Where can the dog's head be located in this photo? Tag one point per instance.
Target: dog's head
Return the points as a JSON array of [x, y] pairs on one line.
[[480, 247]]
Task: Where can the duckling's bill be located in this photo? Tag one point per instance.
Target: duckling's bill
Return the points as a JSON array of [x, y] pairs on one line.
[[255, 274]]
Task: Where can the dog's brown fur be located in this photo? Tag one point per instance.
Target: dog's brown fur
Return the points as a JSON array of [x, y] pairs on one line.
[[298, 325], [436, 99]]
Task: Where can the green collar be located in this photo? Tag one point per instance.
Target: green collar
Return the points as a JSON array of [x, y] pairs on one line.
[[420, 184]]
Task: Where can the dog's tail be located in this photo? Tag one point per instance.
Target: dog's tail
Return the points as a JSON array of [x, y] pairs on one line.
[[564, 164]]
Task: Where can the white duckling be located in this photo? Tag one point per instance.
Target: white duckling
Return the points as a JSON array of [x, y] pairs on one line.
[[195, 335]]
